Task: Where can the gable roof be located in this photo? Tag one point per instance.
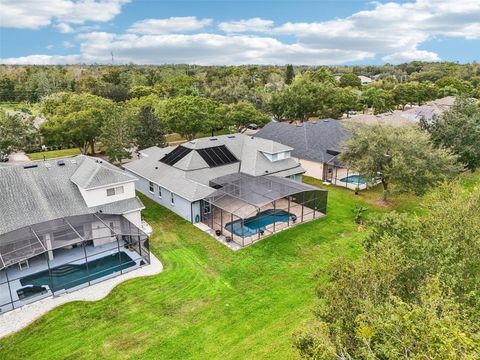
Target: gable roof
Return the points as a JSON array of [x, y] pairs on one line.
[[34, 195], [310, 140], [94, 173], [190, 177]]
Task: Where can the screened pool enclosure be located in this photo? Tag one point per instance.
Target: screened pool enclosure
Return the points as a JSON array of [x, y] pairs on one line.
[[67, 254], [246, 208]]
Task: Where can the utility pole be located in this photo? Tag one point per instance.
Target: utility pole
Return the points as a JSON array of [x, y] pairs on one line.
[[111, 53]]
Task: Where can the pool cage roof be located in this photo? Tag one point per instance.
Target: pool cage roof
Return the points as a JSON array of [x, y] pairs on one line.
[[30, 241], [244, 194]]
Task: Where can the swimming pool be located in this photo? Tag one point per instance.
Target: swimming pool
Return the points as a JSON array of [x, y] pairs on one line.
[[354, 179], [259, 222], [71, 275]]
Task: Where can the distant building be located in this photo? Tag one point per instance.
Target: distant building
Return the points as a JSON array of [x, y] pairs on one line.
[[365, 80]]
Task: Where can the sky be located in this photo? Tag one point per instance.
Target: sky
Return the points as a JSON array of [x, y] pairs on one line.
[[235, 32]]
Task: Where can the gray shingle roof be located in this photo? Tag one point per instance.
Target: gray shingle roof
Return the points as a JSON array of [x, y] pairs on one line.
[[190, 177], [310, 140], [93, 173], [31, 196]]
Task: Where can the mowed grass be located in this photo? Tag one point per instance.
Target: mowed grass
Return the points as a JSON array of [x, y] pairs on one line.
[[53, 154], [210, 302]]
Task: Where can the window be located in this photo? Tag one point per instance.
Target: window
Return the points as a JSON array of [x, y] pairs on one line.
[[172, 198], [274, 157], [112, 227], [150, 187], [115, 191], [159, 192]]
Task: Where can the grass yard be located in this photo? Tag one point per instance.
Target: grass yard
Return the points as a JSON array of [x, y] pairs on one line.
[[53, 154], [210, 302]]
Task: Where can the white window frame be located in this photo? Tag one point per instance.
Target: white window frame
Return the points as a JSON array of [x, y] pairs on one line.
[[151, 187], [172, 199], [160, 192], [110, 192], [116, 191]]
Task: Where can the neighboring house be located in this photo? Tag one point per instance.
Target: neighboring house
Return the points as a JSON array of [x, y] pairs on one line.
[[316, 146], [412, 115], [65, 224], [184, 178], [365, 80]]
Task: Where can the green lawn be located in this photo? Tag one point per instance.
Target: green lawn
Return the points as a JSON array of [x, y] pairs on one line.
[[210, 302], [53, 154]]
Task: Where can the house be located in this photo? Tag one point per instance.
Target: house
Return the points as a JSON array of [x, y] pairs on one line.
[[225, 182], [65, 224], [316, 146], [365, 80]]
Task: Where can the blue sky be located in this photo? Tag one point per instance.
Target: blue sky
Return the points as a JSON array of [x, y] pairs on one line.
[[316, 32]]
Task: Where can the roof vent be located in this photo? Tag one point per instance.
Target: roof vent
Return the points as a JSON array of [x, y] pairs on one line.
[[48, 165], [326, 120], [61, 163], [30, 166], [231, 136], [73, 161], [314, 122], [213, 139], [156, 167]]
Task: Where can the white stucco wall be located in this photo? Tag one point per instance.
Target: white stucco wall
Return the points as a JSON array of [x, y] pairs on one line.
[[312, 168], [135, 217], [99, 196]]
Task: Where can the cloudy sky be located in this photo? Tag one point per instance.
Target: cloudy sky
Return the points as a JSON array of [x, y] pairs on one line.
[[316, 32]]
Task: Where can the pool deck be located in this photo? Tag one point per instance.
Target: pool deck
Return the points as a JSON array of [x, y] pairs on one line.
[[62, 257], [239, 242]]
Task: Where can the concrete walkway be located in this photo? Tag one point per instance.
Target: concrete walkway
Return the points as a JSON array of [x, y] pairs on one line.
[[17, 319]]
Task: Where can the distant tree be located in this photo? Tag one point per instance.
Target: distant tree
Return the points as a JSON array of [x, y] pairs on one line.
[[343, 100], [14, 130], [289, 74], [463, 87], [401, 156], [118, 135], [115, 92], [350, 80], [75, 119], [190, 115], [459, 130], [378, 99], [150, 131], [244, 113], [7, 89]]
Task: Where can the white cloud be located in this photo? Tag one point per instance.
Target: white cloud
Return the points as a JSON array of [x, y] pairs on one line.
[[170, 25], [64, 28], [67, 44], [34, 14], [406, 56], [248, 25], [43, 60]]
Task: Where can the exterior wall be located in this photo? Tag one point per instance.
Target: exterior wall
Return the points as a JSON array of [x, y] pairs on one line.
[[181, 206], [312, 168], [99, 196]]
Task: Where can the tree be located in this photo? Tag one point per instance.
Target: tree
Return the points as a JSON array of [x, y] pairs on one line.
[[149, 129], [75, 119], [118, 135], [243, 113], [343, 100], [190, 115], [289, 74], [14, 130], [459, 130], [401, 156], [377, 98], [350, 80], [413, 293]]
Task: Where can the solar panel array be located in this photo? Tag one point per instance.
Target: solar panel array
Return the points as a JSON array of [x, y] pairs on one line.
[[175, 155], [217, 156]]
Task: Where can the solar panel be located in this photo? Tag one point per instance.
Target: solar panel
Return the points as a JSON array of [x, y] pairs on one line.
[[175, 155], [217, 156]]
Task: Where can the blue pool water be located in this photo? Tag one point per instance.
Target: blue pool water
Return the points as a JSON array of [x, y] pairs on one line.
[[259, 222], [70, 275], [354, 179]]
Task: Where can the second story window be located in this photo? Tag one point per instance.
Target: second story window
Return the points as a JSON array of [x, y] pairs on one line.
[[172, 198], [159, 192], [115, 191], [150, 187]]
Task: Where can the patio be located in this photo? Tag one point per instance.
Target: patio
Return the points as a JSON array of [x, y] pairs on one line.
[[65, 255]]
